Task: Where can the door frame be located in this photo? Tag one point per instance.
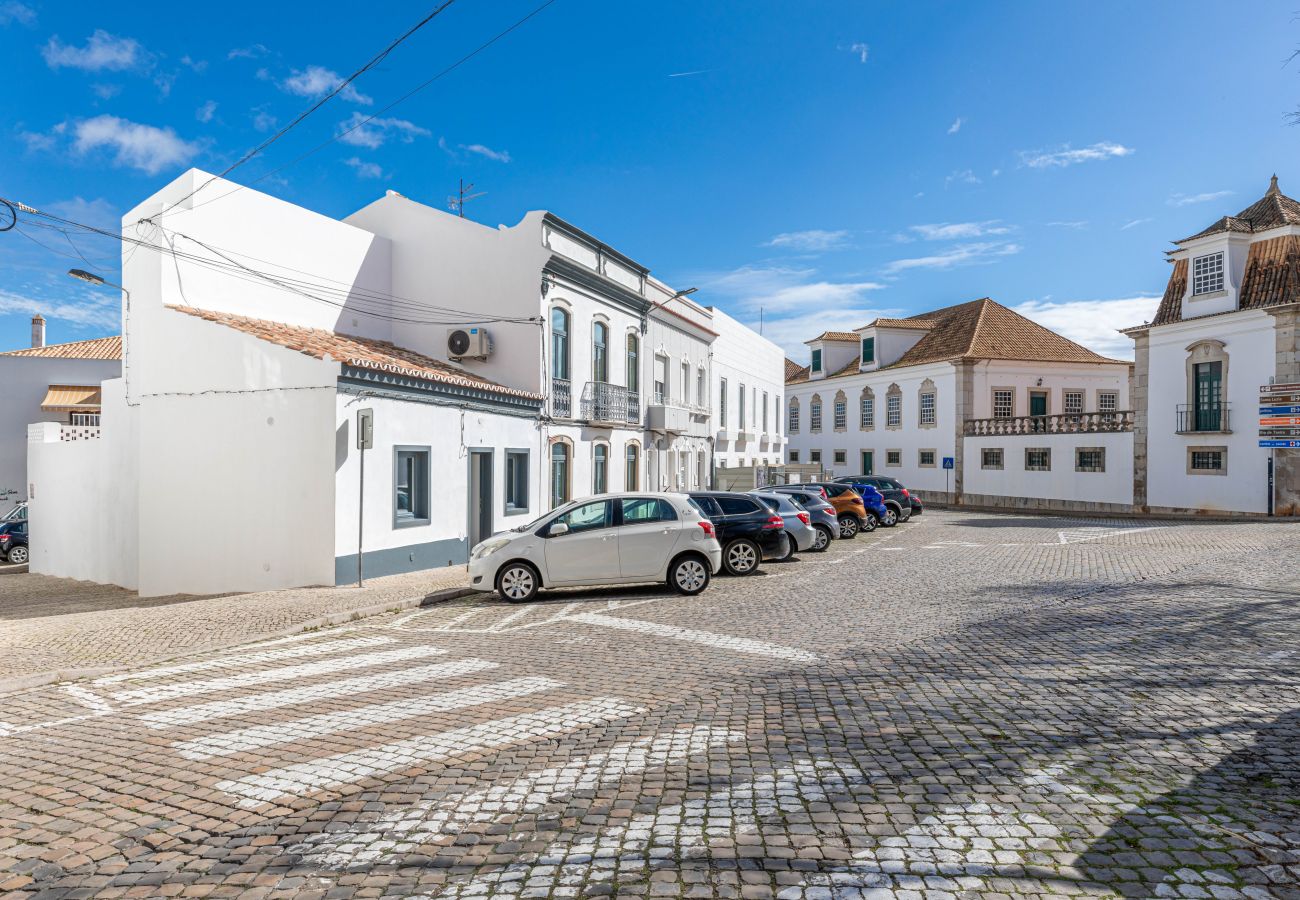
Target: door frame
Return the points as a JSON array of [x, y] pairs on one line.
[[865, 456], [474, 457], [1047, 402]]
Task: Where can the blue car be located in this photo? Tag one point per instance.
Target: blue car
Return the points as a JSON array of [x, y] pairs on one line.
[[872, 499], [897, 503], [887, 511]]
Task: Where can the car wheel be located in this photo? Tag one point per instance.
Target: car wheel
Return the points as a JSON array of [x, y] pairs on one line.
[[18, 555], [890, 519], [518, 582], [741, 557], [822, 538], [848, 526], [689, 575], [871, 523], [906, 516]]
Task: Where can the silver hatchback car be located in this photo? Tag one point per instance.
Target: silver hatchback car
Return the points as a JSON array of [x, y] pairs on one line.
[[798, 522], [825, 518]]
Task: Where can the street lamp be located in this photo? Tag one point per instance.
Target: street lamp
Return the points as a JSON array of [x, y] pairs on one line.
[[98, 281]]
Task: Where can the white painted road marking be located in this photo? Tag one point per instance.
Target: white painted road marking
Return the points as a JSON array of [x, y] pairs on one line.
[[347, 687], [89, 699], [1079, 535], [246, 659], [401, 830], [259, 736], [346, 768], [708, 638], [281, 673]]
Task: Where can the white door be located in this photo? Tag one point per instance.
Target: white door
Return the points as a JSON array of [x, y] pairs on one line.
[[588, 552], [647, 536]]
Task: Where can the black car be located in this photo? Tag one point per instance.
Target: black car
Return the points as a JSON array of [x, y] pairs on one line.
[[748, 531], [904, 503], [13, 541]]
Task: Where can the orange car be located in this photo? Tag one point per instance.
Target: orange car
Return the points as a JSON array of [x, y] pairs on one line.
[[849, 508]]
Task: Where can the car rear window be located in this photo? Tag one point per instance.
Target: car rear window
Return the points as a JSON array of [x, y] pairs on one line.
[[770, 503], [797, 503], [647, 509], [735, 506], [835, 490]]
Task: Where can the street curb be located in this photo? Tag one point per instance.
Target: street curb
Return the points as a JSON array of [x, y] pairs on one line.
[[27, 682]]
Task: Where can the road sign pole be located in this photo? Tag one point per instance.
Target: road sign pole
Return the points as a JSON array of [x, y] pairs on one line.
[[365, 440]]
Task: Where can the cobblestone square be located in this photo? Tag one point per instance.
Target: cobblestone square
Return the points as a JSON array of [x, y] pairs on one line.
[[967, 705]]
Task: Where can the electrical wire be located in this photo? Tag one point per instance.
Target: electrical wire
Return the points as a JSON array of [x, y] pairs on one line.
[[173, 210]]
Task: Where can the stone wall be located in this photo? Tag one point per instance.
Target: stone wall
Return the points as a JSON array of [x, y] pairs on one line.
[[1286, 463]]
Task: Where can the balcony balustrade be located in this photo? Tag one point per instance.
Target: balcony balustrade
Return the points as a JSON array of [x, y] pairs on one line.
[[1064, 423], [610, 403]]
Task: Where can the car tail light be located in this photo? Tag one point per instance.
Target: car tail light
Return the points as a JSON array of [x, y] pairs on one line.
[[707, 526], [905, 493], [774, 522], [805, 518], [3, 538], [825, 496]]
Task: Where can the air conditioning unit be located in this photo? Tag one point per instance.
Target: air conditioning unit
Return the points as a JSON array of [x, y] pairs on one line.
[[469, 343]]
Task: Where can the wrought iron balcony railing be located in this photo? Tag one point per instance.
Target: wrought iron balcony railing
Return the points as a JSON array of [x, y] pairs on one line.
[[561, 399], [613, 403], [1194, 417]]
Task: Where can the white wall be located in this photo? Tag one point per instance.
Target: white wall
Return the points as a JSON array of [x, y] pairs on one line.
[[25, 380], [1115, 485], [1249, 340], [743, 356], [1056, 378]]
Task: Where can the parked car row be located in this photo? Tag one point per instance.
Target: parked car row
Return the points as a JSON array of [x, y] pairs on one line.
[[681, 540]]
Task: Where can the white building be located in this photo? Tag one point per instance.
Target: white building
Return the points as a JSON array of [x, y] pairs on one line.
[[1027, 417], [1228, 324], [54, 383], [678, 347], [749, 387]]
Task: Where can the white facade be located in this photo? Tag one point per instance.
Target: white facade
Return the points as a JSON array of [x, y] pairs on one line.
[[676, 361], [1007, 473], [747, 365]]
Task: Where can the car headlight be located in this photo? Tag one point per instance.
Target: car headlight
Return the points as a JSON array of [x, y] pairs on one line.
[[488, 547]]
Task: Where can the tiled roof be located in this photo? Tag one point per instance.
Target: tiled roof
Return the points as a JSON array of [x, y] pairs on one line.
[[1171, 304], [985, 329], [98, 348], [353, 350], [1273, 209], [1272, 278], [793, 371], [835, 336], [899, 323]]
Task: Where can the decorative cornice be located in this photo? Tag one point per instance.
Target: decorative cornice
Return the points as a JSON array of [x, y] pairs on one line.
[[606, 288], [399, 386]]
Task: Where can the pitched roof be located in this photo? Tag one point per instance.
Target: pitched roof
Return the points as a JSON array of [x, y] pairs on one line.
[[98, 348], [899, 323], [985, 329], [835, 336], [1271, 278], [793, 370], [1273, 209], [354, 350]]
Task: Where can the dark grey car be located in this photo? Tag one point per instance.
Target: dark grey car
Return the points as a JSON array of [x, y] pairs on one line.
[[824, 518]]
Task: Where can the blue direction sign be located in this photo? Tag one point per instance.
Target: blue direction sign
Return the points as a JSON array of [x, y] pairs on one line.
[[949, 462], [1279, 410], [1282, 444]]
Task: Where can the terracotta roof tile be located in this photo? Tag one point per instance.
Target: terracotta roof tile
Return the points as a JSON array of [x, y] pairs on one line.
[[795, 372], [1171, 304], [835, 336], [98, 348], [353, 350], [900, 323], [1273, 209], [1272, 278]]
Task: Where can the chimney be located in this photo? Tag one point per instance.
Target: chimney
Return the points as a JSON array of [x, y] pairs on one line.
[[38, 331]]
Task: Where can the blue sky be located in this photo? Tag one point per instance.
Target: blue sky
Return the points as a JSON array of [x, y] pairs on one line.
[[825, 162]]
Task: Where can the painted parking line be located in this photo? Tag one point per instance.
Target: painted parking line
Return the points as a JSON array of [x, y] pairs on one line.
[[88, 699], [261, 736], [347, 768], [162, 692], [347, 687], [247, 659], [528, 794], [707, 638]]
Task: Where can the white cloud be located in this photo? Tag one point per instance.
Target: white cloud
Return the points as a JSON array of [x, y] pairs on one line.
[[142, 147], [98, 212], [317, 81], [1060, 158], [956, 125], [1077, 224], [103, 52], [99, 309], [364, 169], [948, 231], [1133, 224], [784, 290], [1094, 323], [263, 120], [36, 141], [253, 51], [164, 81], [960, 255], [373, 133], [965, 176], [1187, 199], [862, 51], [790, 332], [106, 91], [488, 152], [205, 112], [813, 240], [198, 66], [13, 11]]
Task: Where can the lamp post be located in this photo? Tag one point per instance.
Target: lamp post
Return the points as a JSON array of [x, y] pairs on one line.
[[98, 281]]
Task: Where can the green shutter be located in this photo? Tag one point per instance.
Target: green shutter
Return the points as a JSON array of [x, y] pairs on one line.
[[816, 360], [868, 350]]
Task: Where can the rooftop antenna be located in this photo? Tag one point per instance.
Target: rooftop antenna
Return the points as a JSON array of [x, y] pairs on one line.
[[456, 202]]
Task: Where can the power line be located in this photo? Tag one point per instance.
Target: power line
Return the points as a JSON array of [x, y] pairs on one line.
[[323, 100], [172, 210]]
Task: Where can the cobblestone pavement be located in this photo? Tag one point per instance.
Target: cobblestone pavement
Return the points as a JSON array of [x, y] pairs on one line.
[[964, 706], [50, 625]]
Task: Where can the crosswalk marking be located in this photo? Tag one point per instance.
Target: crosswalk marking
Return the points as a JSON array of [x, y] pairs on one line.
[[259, 736], [244, 659], [282, 673], [708, 638], [345, 768], [218, 709], [402, 830]]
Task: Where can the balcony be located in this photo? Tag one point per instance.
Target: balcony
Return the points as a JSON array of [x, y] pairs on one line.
[[1194, 419], [676, 419], [610, 404], [1069, 423], [561, 399]]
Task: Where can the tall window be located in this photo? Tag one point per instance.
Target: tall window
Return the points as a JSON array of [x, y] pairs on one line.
[[867, 414], [742, 407], [600, 352], [701, 389], [1207, 273], [633, 363], [1003, 404], [793, 426], [1072, 403], [841, 413], [516, 481], [894, 411], [1208, 394], [815, 414], [661, 379], [722, 403], [765, 412], [599, 469], [927, 408], [411, 486], [559, 474], [631, 468], [559, 343], [868, 350], [816, 360], [686, 384]]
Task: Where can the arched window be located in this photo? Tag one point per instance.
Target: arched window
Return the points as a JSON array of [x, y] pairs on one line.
[[815, 413], [926, 403], [793, 426], [559, 343], [841, 409], [631, 469], [633, 363], [600, 352], [867, 412], [559, 474], [599, 468], [894, 407]]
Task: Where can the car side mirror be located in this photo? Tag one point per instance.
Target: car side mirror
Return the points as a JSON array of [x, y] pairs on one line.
[[557, 529]]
